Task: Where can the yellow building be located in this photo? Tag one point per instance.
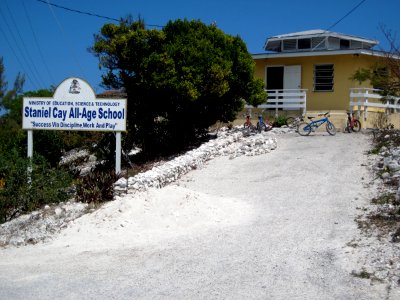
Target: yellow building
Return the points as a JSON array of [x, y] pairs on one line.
[[317, 62]]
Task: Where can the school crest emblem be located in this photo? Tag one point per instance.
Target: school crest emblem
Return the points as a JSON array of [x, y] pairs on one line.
[[75, 87]]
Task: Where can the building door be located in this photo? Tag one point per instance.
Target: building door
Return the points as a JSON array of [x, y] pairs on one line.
[[283, 77], [274, 80], [292, 77]]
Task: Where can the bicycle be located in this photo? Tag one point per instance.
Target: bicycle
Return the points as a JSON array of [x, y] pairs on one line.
[[248, 127], [352, 123], [263, 124], [305, 128], [247, 124], [293, 122]]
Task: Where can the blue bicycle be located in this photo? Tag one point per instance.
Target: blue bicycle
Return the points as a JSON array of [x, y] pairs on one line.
[[305, 128], [263, 124]]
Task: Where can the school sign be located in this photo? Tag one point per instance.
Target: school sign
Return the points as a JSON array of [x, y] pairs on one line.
[[74, 106]]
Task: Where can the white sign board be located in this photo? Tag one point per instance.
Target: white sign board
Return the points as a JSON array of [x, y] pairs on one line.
[[74, 106]]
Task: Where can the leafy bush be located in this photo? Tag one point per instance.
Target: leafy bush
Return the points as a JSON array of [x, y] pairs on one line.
[[97, 186], [22, 191], [280, 121], [11, 136]]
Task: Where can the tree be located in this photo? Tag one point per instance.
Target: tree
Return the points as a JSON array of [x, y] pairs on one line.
[[46, 185], [392, 63], [384, 75], [3, 82], [11, 134], [178, 80]]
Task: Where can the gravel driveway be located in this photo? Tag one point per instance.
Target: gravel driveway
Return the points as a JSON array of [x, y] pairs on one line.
[[287, 234]]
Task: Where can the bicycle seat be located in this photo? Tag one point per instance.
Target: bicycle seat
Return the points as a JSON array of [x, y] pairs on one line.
[[310, 118], [325, 114]]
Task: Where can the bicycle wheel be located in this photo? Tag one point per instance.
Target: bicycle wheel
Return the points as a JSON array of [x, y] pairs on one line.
[[268, 127], [258, 126], [247, 125], [348, 127], [330, 128], [356, 126], [289, 121], [304, 129]]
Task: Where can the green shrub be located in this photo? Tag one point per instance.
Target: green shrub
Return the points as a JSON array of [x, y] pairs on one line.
[[97, 186], [22, 191], [280, 121]]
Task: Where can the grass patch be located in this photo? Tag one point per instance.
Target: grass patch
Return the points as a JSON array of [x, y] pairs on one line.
[[386, 198], [364, 274], [382, 222]]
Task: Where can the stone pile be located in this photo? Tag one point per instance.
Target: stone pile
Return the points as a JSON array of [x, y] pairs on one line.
[[233, 143], [388, 167], [382, 261], [40, 225]]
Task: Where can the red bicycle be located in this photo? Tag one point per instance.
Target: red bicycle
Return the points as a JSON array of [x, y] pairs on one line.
[[352, 123], [247, 124]]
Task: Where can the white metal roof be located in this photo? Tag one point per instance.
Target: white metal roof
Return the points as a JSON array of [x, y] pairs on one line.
[[320, 32], [317, 33], [300, 33]]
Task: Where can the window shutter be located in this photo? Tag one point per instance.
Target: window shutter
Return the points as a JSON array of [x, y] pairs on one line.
[[323, 78]]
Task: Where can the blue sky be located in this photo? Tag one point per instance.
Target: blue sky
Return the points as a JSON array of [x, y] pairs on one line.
[[49, 44]]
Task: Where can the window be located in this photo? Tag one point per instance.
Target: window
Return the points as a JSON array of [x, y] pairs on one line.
[[333, 43], [304, 43], [289, 45], [356, 45], [323, 78], [344, 44], [318, 43]]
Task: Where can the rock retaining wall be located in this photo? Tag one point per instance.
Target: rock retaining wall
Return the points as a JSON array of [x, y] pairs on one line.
[[233, 143]]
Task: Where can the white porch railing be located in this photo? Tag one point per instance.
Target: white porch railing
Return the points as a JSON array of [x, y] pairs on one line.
[[365, 98], [286, 99]]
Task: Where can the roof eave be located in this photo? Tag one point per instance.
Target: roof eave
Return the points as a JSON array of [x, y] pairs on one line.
[[319, 53]]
